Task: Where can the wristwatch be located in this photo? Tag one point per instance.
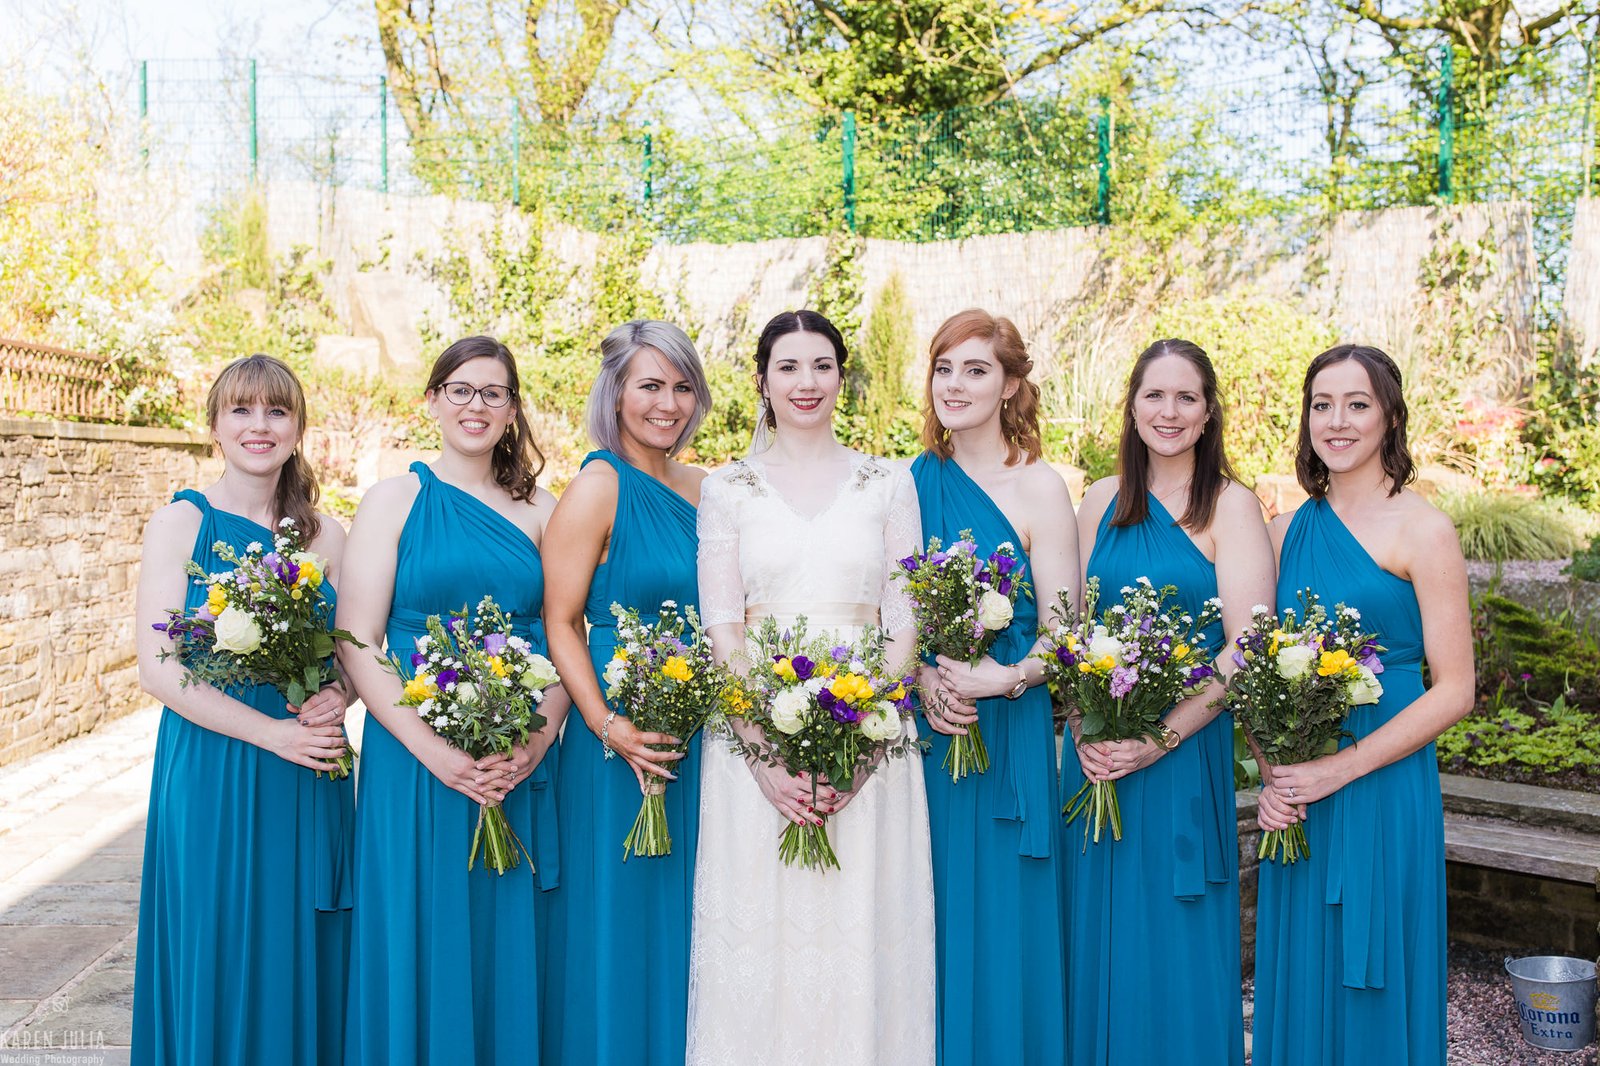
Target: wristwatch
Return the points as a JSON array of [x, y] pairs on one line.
[[1168, 737], [1021, 686]]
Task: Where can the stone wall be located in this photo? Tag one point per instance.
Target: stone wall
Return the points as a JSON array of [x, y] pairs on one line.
[[74, 498]]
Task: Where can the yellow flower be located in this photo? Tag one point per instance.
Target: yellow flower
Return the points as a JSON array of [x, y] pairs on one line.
[[852, 688], [735, 702], [1105, 664], [497, 666], [420, 688], [785, 669], [1180, 650], [1084, 668], [296, 594], [899, 693], [1072, 642], [255, 586], [676, 667], [1333, 662], [1277, 635], [216, 599]]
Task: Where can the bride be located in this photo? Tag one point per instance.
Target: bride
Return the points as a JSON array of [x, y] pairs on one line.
[[788, 964]]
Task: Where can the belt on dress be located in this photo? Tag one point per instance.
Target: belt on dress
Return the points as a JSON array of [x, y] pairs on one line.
[[821, 613]]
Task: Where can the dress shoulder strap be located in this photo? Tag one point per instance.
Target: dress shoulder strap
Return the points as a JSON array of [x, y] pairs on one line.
[[194, 496]]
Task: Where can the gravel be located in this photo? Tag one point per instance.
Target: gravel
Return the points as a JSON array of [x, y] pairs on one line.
[[1481, 1016]]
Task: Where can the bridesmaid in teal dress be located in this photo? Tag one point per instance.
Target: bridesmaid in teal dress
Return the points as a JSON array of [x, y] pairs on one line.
[[617, 966], [244, 904], [444, 960], [1350, 943], [998, 853], [1153, 971]]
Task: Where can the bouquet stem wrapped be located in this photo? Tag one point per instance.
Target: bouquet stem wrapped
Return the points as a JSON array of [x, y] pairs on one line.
[[476, 683], [264, 622], [1297, 678], [1123, 671], [662, 676], [962, 602], [824, 708]]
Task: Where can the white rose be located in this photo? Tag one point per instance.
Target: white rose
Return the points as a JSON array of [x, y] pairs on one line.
[[1294, 661], [1102, 643], [465, 692], [541, 671], [789, 710], [236, 632], [1364, 689], [994, 610], [883, 723]]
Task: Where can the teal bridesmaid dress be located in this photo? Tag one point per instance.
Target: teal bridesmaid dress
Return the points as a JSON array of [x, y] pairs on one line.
[[997, 839], [244, 903], [1350, 943], [444, 960], [1153, 972], [617, 989]]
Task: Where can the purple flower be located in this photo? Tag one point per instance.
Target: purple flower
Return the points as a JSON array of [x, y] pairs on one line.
[[840, 652], [204, 615], [160, 627], [446, 678], [1005, 586], [1003, 564], [937, 559], [286, 571], [494, 643], [1524, 677], [909, 564], [1144, 626], [1123, 678], [1199, 673], [840, 710], [417, 659], [803, 667], [1238, 659], [1065, 657], [1368, 657], [963, 546]]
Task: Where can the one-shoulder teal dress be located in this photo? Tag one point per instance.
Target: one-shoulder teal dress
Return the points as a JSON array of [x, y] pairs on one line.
[[244, 903], [618, 954], [1350, 943], [1153, 972], [997, 839], [444, 960]]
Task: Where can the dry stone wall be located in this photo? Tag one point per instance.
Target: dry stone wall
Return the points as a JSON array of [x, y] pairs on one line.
[[74, 498]]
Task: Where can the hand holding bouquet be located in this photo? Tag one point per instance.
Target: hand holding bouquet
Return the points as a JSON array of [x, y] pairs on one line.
[[1123, 671], [476, 683], [663, 678], [825, 708], [1298, 677], [264, 622], [962, 602]]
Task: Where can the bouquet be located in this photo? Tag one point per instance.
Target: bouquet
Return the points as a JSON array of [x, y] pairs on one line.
[[1298, 677], [1124, 670], [962, 602], [264, 622], [663, 678], [824, 708], [476, 683]]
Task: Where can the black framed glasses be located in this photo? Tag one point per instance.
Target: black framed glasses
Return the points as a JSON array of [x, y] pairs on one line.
[[461, 394]]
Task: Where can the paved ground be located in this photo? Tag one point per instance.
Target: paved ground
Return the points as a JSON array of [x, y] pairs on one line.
[[71, 846]]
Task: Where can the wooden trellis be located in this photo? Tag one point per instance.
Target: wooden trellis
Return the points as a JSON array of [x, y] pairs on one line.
[[41, 380]]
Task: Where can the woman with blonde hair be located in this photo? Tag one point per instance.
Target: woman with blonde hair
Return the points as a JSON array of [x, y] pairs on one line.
[[244, 902]]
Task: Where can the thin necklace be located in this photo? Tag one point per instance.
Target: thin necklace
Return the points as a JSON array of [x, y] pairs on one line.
[[1162, 496]]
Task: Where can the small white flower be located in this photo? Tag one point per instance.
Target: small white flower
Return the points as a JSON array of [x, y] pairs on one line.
[[465, 691], [1260, 608], [253, 547], [440, 722], [671, 605]]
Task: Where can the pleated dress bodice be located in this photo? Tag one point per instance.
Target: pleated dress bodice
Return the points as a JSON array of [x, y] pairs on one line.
[[997, 839], [245, 896], [1351, 942], [595, 963], [1164, 900]]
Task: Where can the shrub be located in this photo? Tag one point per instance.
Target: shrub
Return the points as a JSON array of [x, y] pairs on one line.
[[1496, 526], [1585, 564], [1548, 659]]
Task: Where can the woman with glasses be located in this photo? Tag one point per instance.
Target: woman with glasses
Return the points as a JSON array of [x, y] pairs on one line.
[[444, 959]]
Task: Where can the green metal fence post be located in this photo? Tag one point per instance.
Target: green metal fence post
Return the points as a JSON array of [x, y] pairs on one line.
[[1447, 124], [648, 162], [1102, 196], [144, 108], [516, 152], [383, 131], [847, 153], [255, 127]]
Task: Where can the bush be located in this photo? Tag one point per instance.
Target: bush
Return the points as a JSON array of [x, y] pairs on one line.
[[1548, 659], [1585, 564], [1497, 526]]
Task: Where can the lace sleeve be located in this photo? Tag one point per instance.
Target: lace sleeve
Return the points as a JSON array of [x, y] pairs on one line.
[[902, 535], [721, 583]]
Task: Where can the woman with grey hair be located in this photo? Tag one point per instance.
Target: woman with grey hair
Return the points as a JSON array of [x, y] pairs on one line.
[[624, 533]]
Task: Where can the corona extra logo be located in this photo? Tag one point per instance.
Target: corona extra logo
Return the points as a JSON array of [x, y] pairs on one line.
[[1543, 1000]]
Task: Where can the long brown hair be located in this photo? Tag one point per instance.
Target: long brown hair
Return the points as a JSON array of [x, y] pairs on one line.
[[262, 379], [1019, 416], [1212, 471], [517, 461], [781, 325], [1309, 469]]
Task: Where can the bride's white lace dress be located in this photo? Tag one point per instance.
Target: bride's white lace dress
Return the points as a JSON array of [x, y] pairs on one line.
[[790, 965]]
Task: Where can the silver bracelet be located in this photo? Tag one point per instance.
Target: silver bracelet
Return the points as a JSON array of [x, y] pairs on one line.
[[605, 736]]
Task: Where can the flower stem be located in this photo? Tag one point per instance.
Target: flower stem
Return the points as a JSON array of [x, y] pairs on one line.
[[967, 754]]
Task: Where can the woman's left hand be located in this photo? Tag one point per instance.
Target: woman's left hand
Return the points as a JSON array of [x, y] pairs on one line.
[[976, 682], [323, 707], [1307, 782], [1107, 760]]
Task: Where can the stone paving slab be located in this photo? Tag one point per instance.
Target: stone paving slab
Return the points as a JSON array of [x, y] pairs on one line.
[[36, 960]]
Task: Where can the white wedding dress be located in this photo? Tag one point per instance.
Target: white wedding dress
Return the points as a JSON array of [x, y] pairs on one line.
[[787, 964]]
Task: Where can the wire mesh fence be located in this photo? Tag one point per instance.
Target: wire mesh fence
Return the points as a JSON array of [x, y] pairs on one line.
[[1267, 145]]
